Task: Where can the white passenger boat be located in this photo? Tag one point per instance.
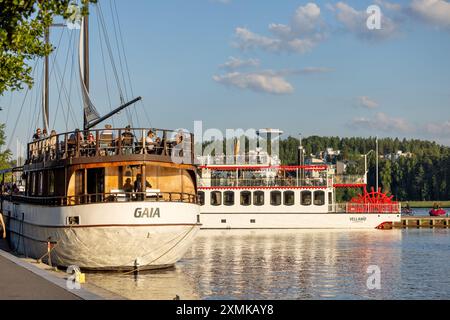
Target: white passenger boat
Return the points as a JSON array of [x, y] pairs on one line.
[[254, 191]]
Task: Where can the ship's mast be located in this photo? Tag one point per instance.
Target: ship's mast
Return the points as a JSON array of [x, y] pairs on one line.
[[45, 94], [86, 61]]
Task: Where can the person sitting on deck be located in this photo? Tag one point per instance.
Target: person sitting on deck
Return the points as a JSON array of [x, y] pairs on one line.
[[128, 140], [158, 146], [91, 144], [128, 188], [53, 143], [150, 142], [107, 141], [137, 183]]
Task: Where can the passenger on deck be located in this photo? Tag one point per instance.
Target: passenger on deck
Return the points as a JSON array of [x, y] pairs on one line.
[[128, 188], [128, 140], [37, 135], [53, 143], [107, 141], [150, 142], [138, 184], [91, 144]]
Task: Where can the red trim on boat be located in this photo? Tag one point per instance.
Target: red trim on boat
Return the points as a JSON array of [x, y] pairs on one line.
[[349, 185], [260, 188], [284, 168]]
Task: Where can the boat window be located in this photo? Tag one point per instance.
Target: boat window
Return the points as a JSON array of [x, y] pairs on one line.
[[228, 198], [319, 198], [246, 198], [258, 198], [275, 198], [330, 197], [51, 182], [289, 198], [41, 183], [216, 198], [306, 198], [33, 183], [201, 198]]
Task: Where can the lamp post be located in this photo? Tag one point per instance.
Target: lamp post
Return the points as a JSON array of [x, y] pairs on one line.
[[366, 171], [377, 155]]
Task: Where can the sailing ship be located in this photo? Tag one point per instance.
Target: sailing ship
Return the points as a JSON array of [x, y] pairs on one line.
[[103, 199], [254, 191]]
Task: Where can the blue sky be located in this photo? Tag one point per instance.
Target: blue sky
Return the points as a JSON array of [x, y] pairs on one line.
[[309, 67]]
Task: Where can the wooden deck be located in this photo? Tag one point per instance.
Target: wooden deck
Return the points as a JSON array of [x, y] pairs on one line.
[[423, 222]]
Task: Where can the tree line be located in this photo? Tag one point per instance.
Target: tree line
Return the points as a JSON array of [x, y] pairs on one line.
[[422, 176]]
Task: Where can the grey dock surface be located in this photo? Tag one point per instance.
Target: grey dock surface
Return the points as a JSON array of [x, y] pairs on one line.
[[21, 280], [18, 283]]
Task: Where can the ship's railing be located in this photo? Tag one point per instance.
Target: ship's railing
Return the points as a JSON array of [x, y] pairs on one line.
[[365, 208], [118, 197], [349, 179], [112, 142], [266, 182], [255, 159]]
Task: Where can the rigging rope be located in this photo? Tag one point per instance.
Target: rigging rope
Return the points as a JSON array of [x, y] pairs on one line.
[[21, 109], [104, 71]]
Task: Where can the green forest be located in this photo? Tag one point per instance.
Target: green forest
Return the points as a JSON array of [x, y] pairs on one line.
[[424, 176]]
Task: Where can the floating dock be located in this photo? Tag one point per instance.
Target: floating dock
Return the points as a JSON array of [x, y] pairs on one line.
[[422, 222]]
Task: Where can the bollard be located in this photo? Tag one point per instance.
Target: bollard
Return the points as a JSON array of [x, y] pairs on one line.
[[49, 252], [2, 226]]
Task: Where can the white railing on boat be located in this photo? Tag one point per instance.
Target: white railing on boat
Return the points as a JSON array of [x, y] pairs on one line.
[[349, 179], [267, 182], [365, 208]]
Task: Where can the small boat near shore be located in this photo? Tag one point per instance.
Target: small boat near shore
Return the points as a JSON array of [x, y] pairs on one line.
[[437, 212]]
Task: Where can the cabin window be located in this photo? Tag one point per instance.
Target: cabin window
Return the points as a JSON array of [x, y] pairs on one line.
[[306, 198], [258, 198], [330, 197], [51, 182], [216, 198], [275, 198], [201, 198], [246, 198], [33, 183], [319, 198], [228, 198], [41, 183], [289, 198]]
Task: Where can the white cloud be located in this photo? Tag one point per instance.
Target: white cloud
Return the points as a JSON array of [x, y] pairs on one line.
[[236, 63], [382, 122], [301, 35], [389, 5], [367, 102], [356, 22], [265, 81], [436, 12], [438, 129]]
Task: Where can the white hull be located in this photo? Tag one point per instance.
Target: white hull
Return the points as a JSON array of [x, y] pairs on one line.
[[296, 220], [109, 236]]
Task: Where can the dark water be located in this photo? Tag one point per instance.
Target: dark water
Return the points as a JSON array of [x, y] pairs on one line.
[[414, 264]]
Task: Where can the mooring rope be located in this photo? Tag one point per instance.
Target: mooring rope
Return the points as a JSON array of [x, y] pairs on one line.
[[164, 253]]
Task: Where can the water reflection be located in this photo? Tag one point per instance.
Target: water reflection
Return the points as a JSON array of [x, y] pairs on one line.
[[298, 265]]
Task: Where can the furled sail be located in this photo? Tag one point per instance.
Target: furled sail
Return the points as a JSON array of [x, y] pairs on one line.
[[90, 111]]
